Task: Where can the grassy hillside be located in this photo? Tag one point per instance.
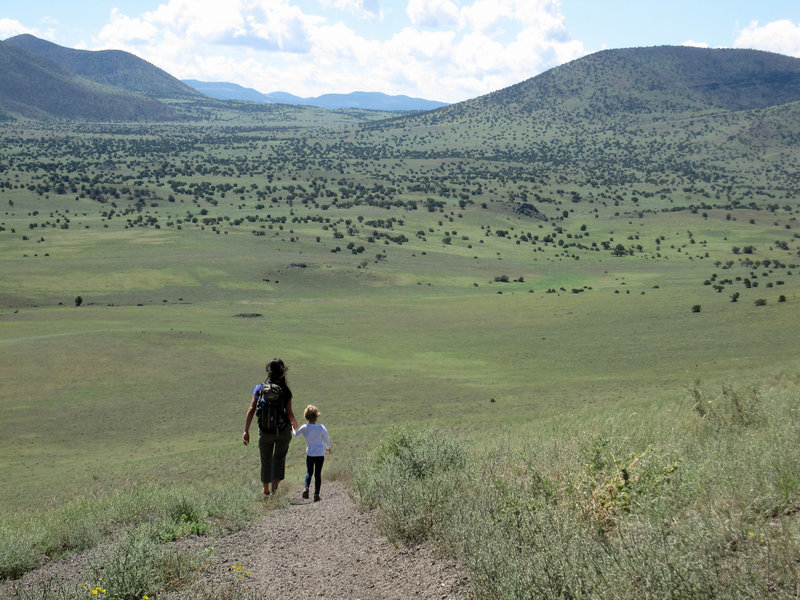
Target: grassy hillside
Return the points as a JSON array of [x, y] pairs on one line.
[[45, 81], [644, 84], [34, 87], [552, 285], [657, 119], [363, 273], [109, 67]]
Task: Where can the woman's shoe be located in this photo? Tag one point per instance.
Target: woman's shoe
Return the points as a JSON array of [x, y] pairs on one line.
[[305, 493], [317, 498]]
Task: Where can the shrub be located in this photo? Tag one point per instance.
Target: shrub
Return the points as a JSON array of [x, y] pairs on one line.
[[17, 552], [619, 250], [407, 480], [139, 565], [171, 513], [733, 407], [698, 503]]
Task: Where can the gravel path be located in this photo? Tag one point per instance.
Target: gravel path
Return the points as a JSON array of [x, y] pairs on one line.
[[330, 549], [320, 550]]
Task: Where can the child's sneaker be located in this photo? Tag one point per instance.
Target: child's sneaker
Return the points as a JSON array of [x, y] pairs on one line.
[[305, 494]]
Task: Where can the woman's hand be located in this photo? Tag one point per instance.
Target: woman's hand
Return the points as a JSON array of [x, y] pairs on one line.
[[246, 438]]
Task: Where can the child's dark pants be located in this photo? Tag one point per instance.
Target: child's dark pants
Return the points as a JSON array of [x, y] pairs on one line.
[[314, 467]]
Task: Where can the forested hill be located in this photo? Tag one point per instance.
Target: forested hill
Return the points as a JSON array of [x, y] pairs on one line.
[[34, 87], [109, 67], [659, 81], [624, 116]]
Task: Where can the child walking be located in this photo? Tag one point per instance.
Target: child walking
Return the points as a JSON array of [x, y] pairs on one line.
[[318, 443]]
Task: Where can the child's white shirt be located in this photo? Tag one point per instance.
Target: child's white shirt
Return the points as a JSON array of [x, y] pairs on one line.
[[317, 438]]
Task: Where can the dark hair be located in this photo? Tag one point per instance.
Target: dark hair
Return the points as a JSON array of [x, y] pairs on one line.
[[276, 370]]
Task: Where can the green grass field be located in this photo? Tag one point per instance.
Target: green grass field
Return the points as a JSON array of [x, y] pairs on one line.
[[479, 322], [157, 363]]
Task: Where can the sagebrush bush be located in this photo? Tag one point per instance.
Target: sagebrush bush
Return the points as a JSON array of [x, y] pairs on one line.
[[408, 480], [140, 565], [732, 407], [702, 503], [17, 552]]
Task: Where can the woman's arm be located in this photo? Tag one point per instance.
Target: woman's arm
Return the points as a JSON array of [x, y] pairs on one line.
[[250, 412], [289, 412]]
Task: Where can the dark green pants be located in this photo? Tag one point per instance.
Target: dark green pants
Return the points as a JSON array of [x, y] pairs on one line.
[[273, 448]]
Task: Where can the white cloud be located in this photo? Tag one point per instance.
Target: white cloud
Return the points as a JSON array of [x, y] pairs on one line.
[[693, 44], [421, 45], [492, 17], [271, 25], [123, 30], [370, 9], [447, 50], [433, 14], [200, 20], [10, 28], [512, 40], [779, 36]]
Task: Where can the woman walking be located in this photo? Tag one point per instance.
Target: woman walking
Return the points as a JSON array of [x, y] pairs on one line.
[[275, 425]]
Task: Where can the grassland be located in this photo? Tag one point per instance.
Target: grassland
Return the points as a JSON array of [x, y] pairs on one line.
[[400, 288]]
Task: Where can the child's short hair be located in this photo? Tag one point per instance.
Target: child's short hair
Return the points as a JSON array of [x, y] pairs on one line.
[[311, 413]]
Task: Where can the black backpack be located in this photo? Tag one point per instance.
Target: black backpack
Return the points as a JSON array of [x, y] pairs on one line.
[[270, 410]]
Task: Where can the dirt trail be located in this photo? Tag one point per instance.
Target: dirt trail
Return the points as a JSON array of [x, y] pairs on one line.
[[321, 550], [330, 549]]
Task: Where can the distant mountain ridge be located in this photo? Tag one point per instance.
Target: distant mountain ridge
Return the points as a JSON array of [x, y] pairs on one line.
[[362, 100], [604, 90]]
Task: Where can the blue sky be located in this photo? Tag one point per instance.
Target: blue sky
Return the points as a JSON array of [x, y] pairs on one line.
[[447, 50]]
